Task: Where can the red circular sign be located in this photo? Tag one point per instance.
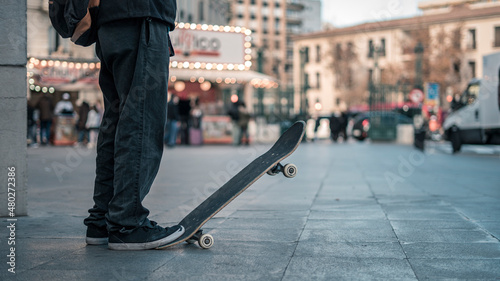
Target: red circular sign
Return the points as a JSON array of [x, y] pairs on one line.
[[416, 96]]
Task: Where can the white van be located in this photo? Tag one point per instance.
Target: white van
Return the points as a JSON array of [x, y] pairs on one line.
[[476, 116]]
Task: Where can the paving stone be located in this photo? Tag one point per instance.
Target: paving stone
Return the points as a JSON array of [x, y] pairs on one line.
[[432, 225], [454, 250], [348, 235], [444, 236], [225, 267], [388, 250], [310, 268], [454, 269]]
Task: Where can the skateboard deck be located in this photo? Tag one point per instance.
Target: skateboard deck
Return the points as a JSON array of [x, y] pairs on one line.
[[268, 162]]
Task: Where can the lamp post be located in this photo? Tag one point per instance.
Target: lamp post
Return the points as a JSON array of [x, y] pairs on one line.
[[419, 135], [419, 50], [303, 83], [260, 91]]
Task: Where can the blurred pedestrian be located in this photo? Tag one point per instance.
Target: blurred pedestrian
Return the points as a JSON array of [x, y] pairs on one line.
[[335, 127], [45, 105], [243, 120], [92, 125], [344, 119], [64, 106], [31, 132], [234, 113], [317, 123], [195, 130], [184, 119], [81, 124], [172, 124], [134, 47]]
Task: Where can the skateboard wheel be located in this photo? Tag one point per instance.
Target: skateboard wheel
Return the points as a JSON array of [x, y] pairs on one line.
[[290, 170], [206, 241]]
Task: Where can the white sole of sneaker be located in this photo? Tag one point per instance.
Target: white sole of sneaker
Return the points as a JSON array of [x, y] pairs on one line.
[[147, 245]]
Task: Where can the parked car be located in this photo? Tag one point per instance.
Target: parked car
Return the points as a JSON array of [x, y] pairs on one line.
[[361, 124]]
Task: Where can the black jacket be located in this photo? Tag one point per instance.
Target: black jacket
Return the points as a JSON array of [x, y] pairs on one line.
[[110, 10]]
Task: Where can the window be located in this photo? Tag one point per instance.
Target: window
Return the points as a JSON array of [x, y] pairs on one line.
[[456, 39], [57, 43], [306, 54], [472, 67], [381, 51], [456, 67], [497, 36], [306, 80], [350, 50], [318, 53], [371, 48], [470, 95], [318, 81], [370, 76], [338, 51], [471, 39], [201, 11]]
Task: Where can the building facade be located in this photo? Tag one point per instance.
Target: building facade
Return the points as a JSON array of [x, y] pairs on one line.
[[204, 11], [333, 68], [272, 23]]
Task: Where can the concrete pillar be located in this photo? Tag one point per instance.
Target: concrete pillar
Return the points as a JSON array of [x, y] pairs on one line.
[[13, 105]]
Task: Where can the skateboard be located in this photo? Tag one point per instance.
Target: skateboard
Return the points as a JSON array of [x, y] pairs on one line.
[[268, 162]]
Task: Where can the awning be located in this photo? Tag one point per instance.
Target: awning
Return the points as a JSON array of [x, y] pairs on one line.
[[256, 79]]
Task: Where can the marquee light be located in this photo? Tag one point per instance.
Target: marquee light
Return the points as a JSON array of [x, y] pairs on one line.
[[219, 28], [44, 67]]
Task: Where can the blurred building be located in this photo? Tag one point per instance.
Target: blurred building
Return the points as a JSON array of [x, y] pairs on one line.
[[272, 23], [332, 69], [204, 11]]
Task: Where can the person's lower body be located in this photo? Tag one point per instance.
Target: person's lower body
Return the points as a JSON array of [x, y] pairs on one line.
[[244, 137], [133, 79], [31, 135], [236, 133], [335, 136], [83, 135], [171, 136], [184, 130], [93, 133], [45, 131]]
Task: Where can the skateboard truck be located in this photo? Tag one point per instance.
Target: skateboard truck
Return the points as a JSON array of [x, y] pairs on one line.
[[289, 170], [204, 240]]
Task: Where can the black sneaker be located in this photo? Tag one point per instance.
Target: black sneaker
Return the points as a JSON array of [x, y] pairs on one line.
[[96, 235], [144, 238]]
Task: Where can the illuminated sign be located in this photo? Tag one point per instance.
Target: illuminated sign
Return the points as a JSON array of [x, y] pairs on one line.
[[209, 47]]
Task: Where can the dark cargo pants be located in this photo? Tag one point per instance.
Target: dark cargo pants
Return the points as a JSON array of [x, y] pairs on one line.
[[134, 58]]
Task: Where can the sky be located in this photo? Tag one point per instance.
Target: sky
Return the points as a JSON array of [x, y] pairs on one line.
[[342, 13]]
